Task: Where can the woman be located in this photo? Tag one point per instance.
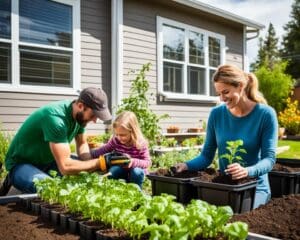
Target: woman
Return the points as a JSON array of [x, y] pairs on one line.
[[246, 116]]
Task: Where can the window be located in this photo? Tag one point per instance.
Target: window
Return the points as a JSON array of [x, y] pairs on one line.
[[39, 46], [188, 57]]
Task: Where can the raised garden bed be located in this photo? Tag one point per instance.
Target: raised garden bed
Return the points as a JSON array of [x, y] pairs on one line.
[[19, 223], [206, 185], [285, 177], [220, 190], [178, 184], [280, 218]]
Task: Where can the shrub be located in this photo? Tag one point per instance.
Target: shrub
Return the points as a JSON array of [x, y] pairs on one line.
[[275, 85], [137, 102], [289, 118], [5, 139]]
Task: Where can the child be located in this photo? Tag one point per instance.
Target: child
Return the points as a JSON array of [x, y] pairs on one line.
[[129, 140]]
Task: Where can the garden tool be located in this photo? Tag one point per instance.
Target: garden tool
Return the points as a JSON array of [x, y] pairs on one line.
[[172, 171], [113, 158]]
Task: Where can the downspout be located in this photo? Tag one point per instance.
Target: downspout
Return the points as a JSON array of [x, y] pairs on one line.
[[116, 53], [246, 38]]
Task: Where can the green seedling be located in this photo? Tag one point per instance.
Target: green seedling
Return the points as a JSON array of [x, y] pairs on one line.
[[234, 148]]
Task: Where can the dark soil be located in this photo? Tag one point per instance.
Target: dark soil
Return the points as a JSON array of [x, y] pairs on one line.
[[207, 175], [20, 225], [286, 167], [280, 218]]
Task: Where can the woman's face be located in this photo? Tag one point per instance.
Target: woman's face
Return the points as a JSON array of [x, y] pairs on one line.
[[123, 135], [228, 94]]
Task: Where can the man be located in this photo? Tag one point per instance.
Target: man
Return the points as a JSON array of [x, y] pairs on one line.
[[42, 142]]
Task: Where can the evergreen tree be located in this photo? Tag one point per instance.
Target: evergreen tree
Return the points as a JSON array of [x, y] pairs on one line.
[[268, 53], [291, 42]]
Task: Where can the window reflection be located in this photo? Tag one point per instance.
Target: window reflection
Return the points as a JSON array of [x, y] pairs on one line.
[[5, 63], [5, 19], [196, 48], [173, 43], [46, 22], [214, 52], [173, 77]]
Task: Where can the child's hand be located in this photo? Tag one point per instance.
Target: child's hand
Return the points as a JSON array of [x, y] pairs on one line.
[[236, 171], [128, 165]]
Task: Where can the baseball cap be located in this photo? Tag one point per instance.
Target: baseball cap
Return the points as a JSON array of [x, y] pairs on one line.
[[96, 99]]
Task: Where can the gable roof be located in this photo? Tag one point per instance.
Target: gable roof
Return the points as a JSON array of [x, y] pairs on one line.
[[222, 13]]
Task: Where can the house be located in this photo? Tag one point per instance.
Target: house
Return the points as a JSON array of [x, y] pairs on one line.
[[49, 49]]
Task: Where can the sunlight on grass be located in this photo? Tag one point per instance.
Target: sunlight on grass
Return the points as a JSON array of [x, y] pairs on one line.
[[293, 152]]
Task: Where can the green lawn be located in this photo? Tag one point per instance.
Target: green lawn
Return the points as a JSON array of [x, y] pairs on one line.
[[293, 152]]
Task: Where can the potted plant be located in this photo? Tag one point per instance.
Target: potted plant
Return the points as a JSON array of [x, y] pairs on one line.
[[173, 129], [285, 177], [220, 189]]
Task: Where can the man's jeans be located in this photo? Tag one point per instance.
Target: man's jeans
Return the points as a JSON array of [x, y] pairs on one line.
[[134, 175], [22, 175]]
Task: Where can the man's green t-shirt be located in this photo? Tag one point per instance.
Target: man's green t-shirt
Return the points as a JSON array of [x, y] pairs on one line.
[[50, 123]]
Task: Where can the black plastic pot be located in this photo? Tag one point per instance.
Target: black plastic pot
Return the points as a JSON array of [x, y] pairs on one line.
[[55, 215], [239, 197], [74, 224], [36, 206], [179, 187], [26, 203], [64, 220], [283, 182], [112, 234], [87, 229]]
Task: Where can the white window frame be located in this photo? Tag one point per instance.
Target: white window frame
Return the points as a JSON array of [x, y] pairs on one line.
[[15, 85], [160, 60]]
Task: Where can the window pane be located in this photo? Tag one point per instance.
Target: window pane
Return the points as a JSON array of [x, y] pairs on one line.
[[212, 91], [41, 67], [196, 80], [5, 26], [196, 48], [46, 22], [173, 43], [173, 77], [5, 63], [214, 52]]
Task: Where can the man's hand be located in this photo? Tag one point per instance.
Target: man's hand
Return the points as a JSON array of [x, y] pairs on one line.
[[236, 171]]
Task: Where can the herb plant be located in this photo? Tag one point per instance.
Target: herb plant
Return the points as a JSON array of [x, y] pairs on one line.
[[234, 148]]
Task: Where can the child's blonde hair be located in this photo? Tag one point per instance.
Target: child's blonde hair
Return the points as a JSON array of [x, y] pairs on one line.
[[128, 120]]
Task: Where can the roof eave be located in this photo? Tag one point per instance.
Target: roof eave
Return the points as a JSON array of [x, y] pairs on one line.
[[222, 13]]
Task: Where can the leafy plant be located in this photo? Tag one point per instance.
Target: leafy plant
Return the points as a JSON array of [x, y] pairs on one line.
[[169, 159], [168, 142], [289, 118], [234, 147], [5, 140], [138, 102]]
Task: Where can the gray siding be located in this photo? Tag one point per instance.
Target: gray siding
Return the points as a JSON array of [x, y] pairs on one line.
[[95, 49], [95, 68], [140, 48]]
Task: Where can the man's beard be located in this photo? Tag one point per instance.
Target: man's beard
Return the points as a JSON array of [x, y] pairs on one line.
[[80, 119]]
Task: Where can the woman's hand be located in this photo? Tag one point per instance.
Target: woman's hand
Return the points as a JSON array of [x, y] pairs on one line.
[[236, 171], [181, 167]]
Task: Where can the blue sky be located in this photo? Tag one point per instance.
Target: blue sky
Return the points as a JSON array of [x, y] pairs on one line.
[[262, 11]]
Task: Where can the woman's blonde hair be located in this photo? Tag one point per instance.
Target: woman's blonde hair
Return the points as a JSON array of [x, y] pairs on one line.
[[128, 120], [234, 76]]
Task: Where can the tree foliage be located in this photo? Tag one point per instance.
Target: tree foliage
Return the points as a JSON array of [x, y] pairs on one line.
[[291, 42], [275, 84], [268, 53], [138, 102]]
